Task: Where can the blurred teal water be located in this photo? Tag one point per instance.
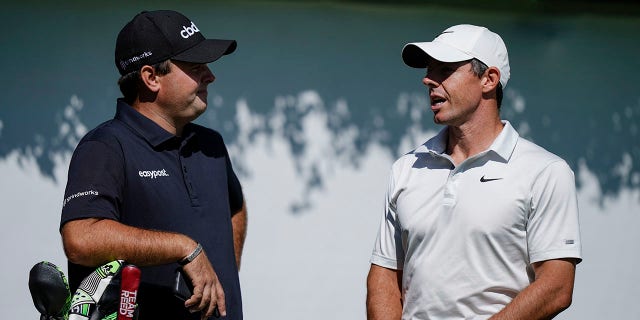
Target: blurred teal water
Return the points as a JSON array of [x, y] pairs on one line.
[[573, 88]]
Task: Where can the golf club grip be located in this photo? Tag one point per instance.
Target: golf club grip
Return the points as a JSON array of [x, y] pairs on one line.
[[129, 284]]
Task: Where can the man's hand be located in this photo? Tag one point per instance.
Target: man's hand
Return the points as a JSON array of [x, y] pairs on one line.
[[207, 290]]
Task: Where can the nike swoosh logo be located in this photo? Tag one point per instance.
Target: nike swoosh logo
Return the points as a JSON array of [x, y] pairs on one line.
[[483, 179]]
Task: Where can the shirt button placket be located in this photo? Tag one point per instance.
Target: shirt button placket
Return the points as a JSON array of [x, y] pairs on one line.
[[187, 182], [450, 189]]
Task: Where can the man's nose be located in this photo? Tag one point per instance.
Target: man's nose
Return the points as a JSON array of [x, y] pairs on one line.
[[208, 76], [429, 82]]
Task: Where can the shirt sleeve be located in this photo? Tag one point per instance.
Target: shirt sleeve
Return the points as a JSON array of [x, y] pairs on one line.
[[388, 250], [236, 199], [553, 230], [95, 182]]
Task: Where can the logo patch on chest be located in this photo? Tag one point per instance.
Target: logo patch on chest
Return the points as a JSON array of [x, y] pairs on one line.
[[153, 173], [483, 179]]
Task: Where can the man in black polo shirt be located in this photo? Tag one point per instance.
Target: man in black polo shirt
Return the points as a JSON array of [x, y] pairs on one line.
[[154, 189]]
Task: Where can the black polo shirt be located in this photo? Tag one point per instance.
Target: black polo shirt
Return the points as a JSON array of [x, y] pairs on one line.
[[131, 170]]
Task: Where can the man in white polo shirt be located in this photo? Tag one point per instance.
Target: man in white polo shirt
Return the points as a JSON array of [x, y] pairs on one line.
[[479, 223]]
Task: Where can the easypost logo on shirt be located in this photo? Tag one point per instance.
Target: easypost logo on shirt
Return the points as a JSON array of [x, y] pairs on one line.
[[153, 173]]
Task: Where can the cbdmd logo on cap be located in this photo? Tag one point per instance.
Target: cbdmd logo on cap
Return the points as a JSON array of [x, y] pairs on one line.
[[189, 31]]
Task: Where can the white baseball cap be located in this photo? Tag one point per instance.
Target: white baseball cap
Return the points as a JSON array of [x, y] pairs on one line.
[[460, 43]]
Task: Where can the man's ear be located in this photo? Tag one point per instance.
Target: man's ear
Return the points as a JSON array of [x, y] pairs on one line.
[[490, 79], [149, 78]]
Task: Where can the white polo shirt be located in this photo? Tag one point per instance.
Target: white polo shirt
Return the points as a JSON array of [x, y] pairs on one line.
[[465, 236]]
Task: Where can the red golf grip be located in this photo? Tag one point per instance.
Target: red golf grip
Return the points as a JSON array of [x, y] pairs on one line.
[[128, 292]]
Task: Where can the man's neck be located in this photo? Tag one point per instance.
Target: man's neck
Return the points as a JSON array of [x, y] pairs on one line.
[[155, 114], [471, 138]]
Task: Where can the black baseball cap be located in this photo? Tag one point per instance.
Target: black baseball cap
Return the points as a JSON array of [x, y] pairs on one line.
[[154, 36]]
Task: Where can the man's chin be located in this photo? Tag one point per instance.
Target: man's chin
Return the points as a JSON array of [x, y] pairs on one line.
[[201, 110], [202, 97], [202, 103], [197, 109]]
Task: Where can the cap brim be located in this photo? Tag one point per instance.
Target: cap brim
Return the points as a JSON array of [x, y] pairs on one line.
[[417, 54], [207, 51]]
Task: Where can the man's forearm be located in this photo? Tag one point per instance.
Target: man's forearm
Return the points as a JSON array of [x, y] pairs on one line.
[[546, 297], [92, 242], [239, 224], [384, 297]]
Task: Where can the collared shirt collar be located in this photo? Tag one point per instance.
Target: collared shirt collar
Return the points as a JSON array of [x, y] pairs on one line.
[[145, 127], [503, 145]]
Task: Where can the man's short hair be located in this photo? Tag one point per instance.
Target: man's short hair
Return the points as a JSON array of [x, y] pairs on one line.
[[478, 68], [130, 83]]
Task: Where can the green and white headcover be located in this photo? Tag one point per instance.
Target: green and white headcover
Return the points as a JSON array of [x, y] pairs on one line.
[[86, 301]]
